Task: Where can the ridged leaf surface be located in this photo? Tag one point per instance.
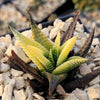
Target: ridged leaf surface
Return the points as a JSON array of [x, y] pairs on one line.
[[69, 65], [66, 49], [38, 36], [45, 62]]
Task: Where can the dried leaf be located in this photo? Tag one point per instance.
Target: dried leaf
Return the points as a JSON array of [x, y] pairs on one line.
[[16, 61], [81, 82], [84, 50], [71, 28]]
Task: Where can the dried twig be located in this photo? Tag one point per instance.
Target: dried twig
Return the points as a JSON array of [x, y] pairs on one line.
[[71, 28], [81, 82], [84, 50]]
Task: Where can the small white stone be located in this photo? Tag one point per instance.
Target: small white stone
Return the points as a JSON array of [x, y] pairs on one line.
[[20, 53], [97, 59], [19, 95], [60, 90], [16, 73], [27, 33], [6, 78], [38, 96], [56, 22], [4, 67], [95, 81], [80, 94], [19, 82], [46, 32], [69, 20], [91, 65], [95, 41], [7, 94], [40, 26], [26, 76], [54, 32], [64, 26], [84, 69], [93, 93], [29, 92], [71, 97], [60, 25], [96, 49], [1, 89]]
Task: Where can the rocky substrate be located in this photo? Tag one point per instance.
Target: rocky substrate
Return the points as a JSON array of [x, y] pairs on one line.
[[14, 84]]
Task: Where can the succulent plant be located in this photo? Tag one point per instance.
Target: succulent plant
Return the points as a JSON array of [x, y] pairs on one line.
[[51, 58]]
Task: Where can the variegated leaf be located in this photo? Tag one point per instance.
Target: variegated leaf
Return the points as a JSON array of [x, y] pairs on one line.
[[56, 47], [66, 49], [24, 41], [38, 36], [69, 65], [51, 58], [45, 62]]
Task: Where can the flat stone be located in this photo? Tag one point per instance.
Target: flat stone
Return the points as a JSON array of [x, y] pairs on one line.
[[93, 93], [6, 78], [4, 67], [46, 31], [16, 73], [84, 69], [80, 94], [56, 22], [19, 82], [19, 95], [60, 90], [7, 94], [70, 97], [95, 81], [20, 53], [28, 76], [95, 41], [29, 92], [53, 33]]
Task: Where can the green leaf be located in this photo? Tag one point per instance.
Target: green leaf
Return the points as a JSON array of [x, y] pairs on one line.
[[38, 36], [69, 65], [56, 47], [54, 80], [51, 58], [66, 49], [45, 62], [24, 41], [74, 57]]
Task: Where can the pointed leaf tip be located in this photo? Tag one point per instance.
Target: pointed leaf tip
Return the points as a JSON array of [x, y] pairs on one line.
[[66, 48]]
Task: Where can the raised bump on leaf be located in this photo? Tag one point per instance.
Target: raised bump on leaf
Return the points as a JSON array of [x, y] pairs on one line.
[[66, 49], [24, 41], [74, 57], [38, 36], [45, 62], [69, 65], [56, 47]]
